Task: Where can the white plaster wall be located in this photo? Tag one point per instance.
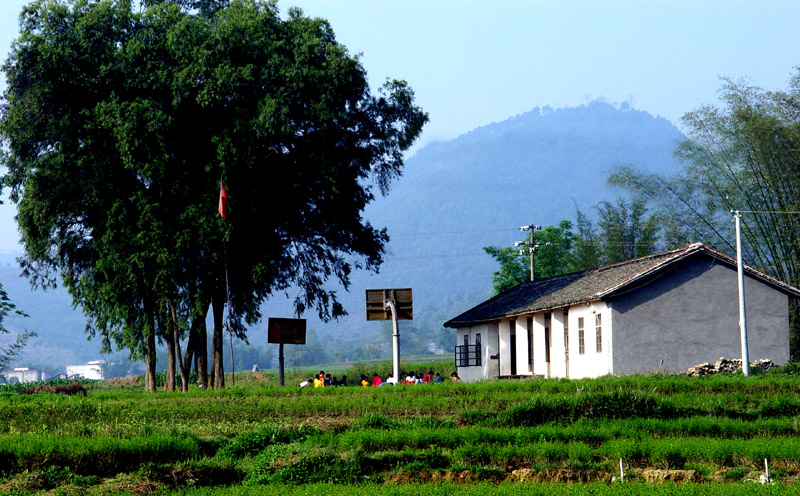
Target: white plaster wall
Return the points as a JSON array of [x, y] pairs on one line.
[[558, 365], [591, 363], [523, 361], [505, 348], [539, 363], [488, 368]]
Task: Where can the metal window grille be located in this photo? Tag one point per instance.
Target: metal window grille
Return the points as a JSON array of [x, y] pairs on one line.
[[468, 355]]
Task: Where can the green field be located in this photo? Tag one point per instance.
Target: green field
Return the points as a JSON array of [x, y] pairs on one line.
[[674, 435]]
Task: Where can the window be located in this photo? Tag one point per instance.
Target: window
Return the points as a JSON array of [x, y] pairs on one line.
[[599, 328], [566, 328], [469, 355], [581, 348]]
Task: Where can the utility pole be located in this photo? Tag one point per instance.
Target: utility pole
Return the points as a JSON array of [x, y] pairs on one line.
[[740, 281], [531, 245]]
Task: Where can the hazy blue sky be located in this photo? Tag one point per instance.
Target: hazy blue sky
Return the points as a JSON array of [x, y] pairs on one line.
[[475, 62]]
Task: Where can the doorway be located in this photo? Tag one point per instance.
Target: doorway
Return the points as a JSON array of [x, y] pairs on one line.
[[512, 332]]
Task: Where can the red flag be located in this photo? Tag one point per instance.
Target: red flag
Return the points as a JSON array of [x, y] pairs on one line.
[[223, 201]]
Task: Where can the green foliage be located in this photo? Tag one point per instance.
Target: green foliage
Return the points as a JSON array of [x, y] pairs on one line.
[[552, 257], [119, 125], [10, 352], [623, 231]]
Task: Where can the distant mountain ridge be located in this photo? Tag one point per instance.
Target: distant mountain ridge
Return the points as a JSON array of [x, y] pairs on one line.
[[456, 197]]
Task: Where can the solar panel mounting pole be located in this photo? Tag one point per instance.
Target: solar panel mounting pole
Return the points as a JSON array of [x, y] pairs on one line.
[[740, 280], [389, 304]]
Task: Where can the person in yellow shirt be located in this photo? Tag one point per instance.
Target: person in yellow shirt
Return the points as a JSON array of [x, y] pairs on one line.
[[364, 381], [319, 381]]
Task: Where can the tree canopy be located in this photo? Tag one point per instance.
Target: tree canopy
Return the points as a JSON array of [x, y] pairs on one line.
[[120, 124]]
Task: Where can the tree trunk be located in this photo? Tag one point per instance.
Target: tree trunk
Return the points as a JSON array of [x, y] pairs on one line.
[[217, 367], [201, 353], [183, 367], [169, 338], [189, 355], [150, 353], [794, 329]]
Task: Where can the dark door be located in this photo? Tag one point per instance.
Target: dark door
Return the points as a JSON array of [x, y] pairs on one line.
[[513, 346]]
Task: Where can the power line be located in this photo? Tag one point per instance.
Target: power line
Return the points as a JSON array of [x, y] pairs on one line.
[[768, 211], [435, 233]]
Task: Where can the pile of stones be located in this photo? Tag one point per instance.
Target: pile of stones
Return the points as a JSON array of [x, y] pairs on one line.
[[727, 365]]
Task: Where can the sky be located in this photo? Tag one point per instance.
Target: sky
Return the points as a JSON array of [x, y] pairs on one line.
[[473, 62]]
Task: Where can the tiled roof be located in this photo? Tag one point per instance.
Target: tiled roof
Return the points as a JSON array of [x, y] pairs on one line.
[[591, 285]]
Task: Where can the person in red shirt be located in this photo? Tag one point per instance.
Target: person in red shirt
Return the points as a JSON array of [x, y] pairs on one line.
[[376, 380], [428, 377]]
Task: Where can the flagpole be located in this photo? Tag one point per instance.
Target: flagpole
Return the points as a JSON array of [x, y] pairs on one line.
[[228, 301], [223, 212]]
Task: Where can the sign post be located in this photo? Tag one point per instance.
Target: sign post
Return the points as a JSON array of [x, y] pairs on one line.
[[394, 304], [282, 331]]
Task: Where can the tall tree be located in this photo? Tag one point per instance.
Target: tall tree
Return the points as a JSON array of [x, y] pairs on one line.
[[741, 155], [119, 126], [623, 231]]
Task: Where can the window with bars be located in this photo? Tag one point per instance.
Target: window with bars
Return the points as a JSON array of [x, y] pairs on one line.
[[581, 340], [468, 355], [598, 325]]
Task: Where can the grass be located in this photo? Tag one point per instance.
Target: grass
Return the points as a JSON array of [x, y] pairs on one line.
[[258, 437]]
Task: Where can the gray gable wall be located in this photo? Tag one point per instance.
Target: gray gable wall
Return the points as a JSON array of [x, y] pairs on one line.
[[688, 314]]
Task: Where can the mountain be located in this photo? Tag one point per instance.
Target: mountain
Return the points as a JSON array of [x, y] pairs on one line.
[[454, 198], [459, 196]]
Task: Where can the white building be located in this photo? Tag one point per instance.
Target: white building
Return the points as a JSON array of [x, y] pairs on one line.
[[93, 370], [664, 312], [24, 374]]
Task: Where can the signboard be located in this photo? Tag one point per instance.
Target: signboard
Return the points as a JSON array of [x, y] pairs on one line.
[[376, 308], [286, 331]]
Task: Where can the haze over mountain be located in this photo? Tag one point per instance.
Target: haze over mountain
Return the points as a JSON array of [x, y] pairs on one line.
[[455, 198]]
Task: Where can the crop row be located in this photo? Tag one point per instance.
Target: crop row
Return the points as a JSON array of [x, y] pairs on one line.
[[211, 413], [503, 489], [416, 433], [385, 450]]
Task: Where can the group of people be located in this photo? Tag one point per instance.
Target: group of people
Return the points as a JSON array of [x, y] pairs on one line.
[[324, 380], [411, 378]]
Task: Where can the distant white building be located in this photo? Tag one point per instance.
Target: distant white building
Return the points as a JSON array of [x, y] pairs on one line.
[[93, 370], [24, 374]]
